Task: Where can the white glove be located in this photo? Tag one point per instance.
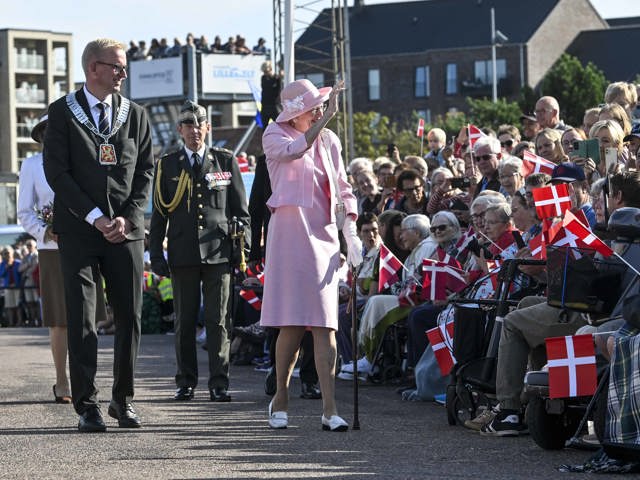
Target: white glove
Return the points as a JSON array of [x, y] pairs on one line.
[[354, 244]]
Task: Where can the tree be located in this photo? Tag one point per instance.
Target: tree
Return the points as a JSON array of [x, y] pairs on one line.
[[576, 88], [485, 113]]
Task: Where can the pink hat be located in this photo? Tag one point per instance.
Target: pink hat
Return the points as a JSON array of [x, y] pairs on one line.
[[299, 97]]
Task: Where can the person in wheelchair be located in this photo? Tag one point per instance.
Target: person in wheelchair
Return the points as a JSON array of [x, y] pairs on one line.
[[383, 310], [525, 329]]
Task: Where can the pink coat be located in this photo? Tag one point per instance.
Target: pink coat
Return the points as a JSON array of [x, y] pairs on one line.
[[290, 164]]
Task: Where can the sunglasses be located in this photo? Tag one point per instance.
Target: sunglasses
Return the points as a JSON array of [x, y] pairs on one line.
[[486, 158], [438, 228], [507, 143]]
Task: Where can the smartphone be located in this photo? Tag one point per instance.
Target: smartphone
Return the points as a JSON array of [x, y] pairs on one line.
[[460, 182], [390, 148], [587, 149], [518, 238], [610, 157]]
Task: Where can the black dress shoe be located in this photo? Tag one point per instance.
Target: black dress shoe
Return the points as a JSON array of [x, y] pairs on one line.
[[270, 385], [219, 394], [310, 391], [91, 421], [183, 393], [125, 414]]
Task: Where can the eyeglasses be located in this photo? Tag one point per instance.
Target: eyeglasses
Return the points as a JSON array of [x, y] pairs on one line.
[[477, 216], [542, 111], [119, 69], [486, 158], [417, 188], [438, 228], [314, 111], [507, 143]]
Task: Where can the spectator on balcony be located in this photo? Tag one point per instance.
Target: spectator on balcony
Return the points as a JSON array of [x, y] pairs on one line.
[[163, 49], [230, 46], [203, 44], [141, 54], [530, 127], [216, 46], [176, 49], [154, 49], [132, 51], [241, 46], [190, 41], [260, 48], [509, 137], [548, 113]]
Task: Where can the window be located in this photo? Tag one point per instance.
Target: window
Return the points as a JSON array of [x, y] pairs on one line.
[[316, 78], [484, 71], [374, 84], [452, 79], [426, 114], [422, 87]]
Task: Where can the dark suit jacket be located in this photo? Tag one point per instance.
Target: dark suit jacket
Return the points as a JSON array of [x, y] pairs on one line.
[[198, 230], [260, 213], [79, 181]]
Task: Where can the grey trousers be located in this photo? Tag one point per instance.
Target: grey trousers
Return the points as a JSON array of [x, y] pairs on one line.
[[523, 333]]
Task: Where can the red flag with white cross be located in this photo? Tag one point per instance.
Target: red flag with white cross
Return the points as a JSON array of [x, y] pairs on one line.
[[389, 266], [572, 366], [584, 234], [420, 131], [552, 201], [251, 298], [474, 134], [532, 163], [441, 340]]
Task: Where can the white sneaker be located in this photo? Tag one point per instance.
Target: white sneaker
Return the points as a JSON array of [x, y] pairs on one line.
[[334, 424], [349, 376], [277, 420], [364, 366]]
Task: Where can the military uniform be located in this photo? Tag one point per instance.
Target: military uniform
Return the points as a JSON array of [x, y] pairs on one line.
[[192, 206]]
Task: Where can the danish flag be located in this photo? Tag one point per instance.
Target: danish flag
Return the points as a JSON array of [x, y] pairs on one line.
[[464, 241], [243, 163], [474, 134], [552, 201], [537, 247], [420, 131], [441, 340], [577, 228], [572, 366], [389, 266], [441, 276], [251, 298], [532, 163]]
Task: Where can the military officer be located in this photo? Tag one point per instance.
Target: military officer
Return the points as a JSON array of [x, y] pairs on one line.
[[196, 192]]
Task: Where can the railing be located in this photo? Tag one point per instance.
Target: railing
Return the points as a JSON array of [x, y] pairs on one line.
[[28, 94], [28, 60]]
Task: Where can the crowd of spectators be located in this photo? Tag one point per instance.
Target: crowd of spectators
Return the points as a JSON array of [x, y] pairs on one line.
[[19, 279], [161, 49]]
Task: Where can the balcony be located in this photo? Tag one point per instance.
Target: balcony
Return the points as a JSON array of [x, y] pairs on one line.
[[28, 61], [478, 88], [30, 96]]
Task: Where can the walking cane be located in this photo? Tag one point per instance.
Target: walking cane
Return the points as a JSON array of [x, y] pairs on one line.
[[354, 347]]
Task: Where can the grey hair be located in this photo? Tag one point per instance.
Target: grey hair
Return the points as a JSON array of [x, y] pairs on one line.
[[492, 142], [362, 163], [96, 47], [487, 201], [510, 161], [419, 223], [450, 217], [503, 210]]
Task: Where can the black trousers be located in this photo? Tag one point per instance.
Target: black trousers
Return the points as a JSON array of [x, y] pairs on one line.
[[85, 261], [191, 285]]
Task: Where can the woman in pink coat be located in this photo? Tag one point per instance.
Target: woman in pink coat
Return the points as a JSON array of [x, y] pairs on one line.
[[310, 194]]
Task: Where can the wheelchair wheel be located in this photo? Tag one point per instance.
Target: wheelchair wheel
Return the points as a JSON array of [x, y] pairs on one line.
[[454, 405], [462, 405], [549, 431]]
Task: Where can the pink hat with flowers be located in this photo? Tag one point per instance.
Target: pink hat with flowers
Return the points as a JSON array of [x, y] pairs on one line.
[[299, 97]]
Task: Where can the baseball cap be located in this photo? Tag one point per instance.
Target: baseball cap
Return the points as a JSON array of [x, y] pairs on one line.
[[526, 116], [191, 112], [567, 172], [635, 132]]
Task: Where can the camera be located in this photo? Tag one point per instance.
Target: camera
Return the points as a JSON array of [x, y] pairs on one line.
[[475, 247], [460, 182], [390, 148]]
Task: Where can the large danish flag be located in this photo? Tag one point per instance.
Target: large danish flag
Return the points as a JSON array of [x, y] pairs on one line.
[[474, 134], [584, 234], [441, 340], [552, 201], [389, 266], [441, 276], [572, 366], [532, 163]]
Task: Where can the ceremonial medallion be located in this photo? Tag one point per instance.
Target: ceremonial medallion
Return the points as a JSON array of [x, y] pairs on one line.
[[107, 154]]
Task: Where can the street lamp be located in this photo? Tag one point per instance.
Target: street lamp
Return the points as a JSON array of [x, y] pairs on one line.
[[497, 39]]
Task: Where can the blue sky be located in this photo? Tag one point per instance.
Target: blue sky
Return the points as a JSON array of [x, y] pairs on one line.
[[144, 19]]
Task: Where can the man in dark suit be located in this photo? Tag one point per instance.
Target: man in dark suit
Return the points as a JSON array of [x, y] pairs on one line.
[[197, 192], [98, 160]]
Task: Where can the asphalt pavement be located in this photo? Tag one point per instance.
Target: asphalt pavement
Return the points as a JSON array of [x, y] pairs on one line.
[[201, 439]]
